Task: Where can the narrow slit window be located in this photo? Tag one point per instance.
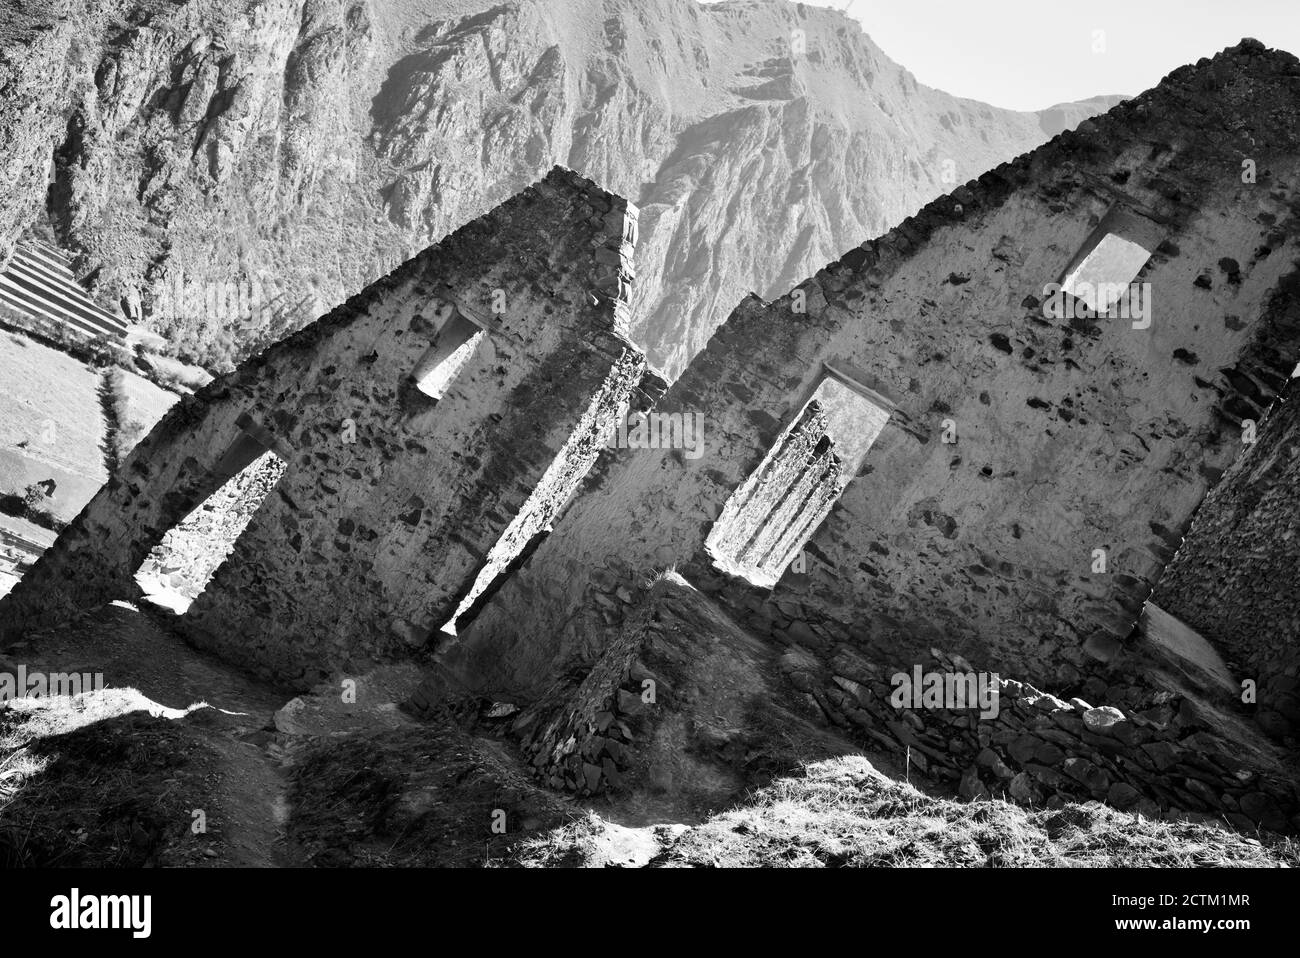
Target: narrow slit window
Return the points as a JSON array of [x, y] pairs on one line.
[[776, 510], [447, 357], [179, 568], [553, 492]]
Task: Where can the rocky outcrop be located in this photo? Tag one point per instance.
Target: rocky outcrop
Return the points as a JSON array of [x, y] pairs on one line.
[[288, 152]]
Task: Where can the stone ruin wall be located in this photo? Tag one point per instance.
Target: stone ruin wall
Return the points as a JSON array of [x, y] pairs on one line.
[[1072, 435], [1236, 578], [1146, 750], [392, 500], [1151, 752], [1069, 442]]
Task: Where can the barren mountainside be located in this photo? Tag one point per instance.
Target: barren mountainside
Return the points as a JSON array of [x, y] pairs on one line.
[[305, 147]]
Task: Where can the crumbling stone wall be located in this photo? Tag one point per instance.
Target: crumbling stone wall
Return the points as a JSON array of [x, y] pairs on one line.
[[682, 708], [1234, 579], [1072, 435], [1137, 748], [579, 737], [392, 500], [1150, 751]]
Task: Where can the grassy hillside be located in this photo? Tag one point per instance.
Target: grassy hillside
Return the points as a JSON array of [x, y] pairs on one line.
[[51, 424], [55, 421], [143, 404]]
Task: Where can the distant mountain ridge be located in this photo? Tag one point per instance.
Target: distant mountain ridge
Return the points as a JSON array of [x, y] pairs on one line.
[[309, 146]]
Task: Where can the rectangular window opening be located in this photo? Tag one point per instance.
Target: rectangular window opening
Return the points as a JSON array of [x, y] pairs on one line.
[[1102, 273], [179, 568], [1103, 276], [777, 509], [452, 349]]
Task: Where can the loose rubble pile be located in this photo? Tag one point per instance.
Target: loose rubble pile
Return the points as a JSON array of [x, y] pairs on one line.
[[682, 707], [580, 735]]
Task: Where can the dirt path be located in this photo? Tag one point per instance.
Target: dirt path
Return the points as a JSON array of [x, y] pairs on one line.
[[246, 764], [253, 809]]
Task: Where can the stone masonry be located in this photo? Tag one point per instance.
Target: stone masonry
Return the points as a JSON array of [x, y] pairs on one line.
[[1036, 474], [392, 500], [1236, 578], [1072, 435]]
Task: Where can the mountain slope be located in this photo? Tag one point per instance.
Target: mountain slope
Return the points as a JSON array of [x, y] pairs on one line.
[[297, 149]]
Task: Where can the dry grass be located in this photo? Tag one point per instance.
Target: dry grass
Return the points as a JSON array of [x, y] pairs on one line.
[[843, 813], [142, 405], [424, 796], [51, 424], [105, 779], [50, 401], [15, 768]]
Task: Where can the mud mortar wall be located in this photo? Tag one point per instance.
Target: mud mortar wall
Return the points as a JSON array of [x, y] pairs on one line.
[[1138, 748], [1073, 435], [392, 500], [1152, 752], [1235, 577]]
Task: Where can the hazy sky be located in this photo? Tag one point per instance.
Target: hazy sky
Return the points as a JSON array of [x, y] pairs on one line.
[[1030, 54]]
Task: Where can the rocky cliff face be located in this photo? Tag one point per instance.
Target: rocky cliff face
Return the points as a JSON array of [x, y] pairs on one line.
[[287, 152]]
